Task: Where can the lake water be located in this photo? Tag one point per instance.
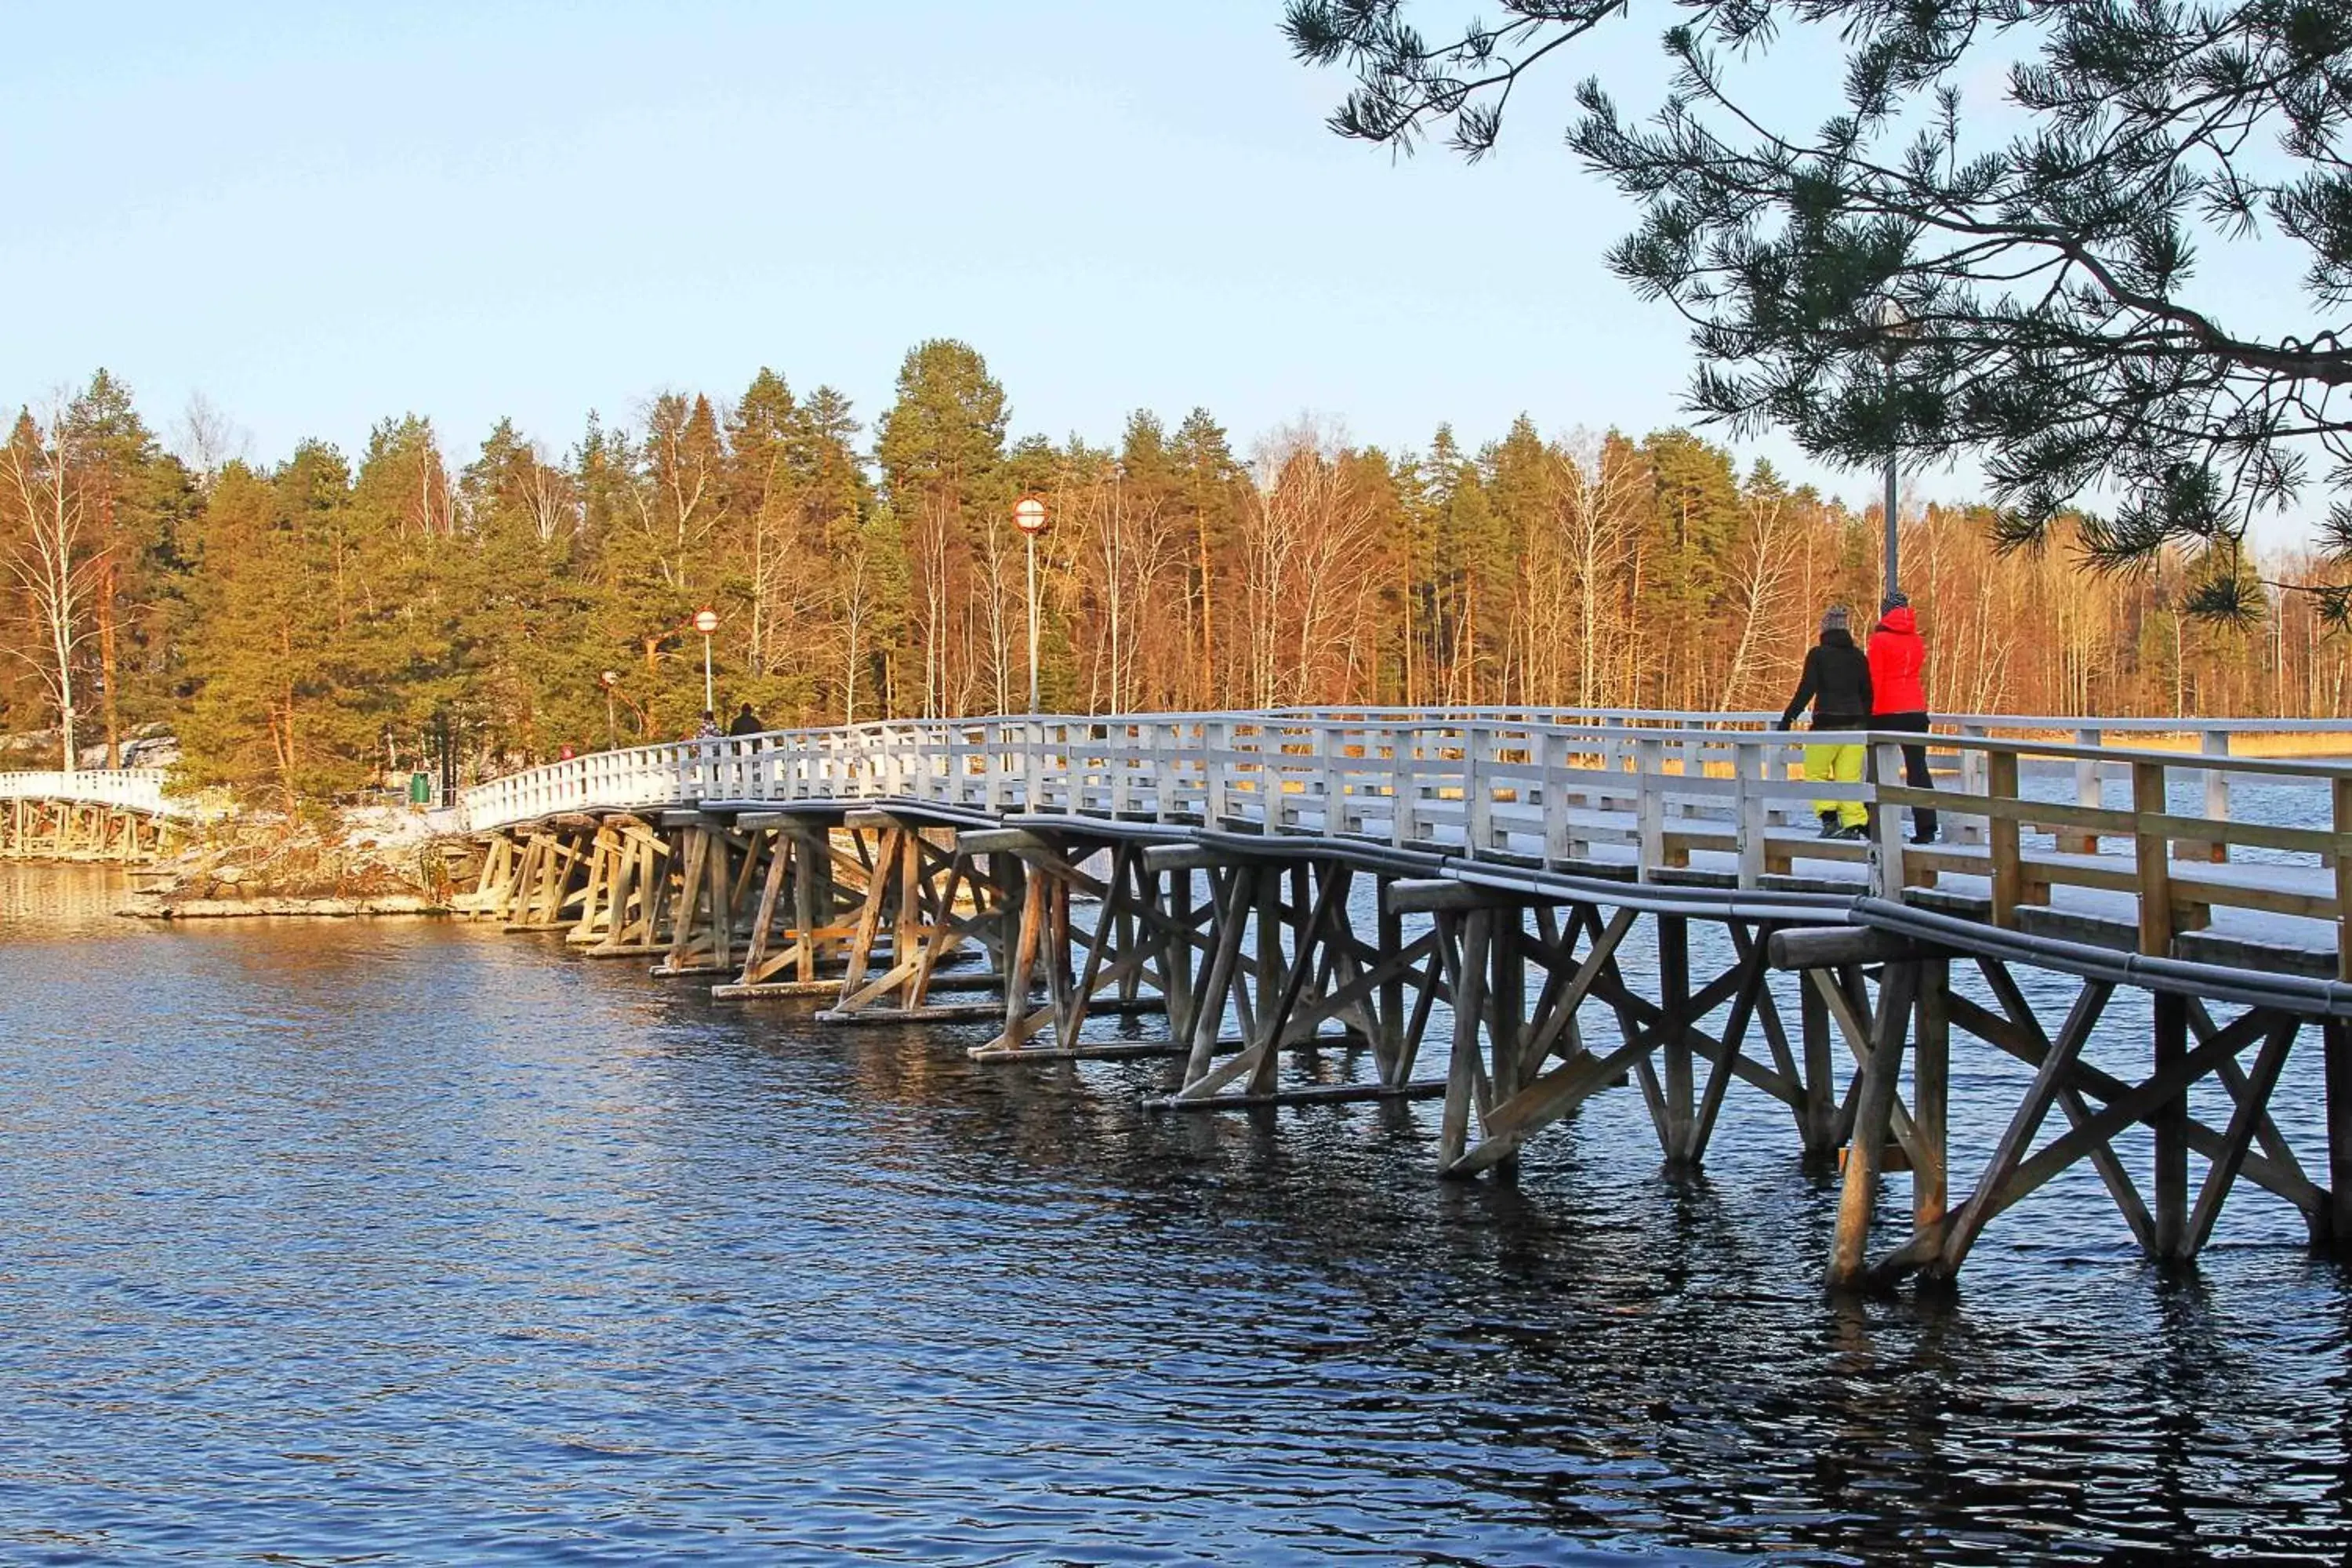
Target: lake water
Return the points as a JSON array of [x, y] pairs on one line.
[[408, 1241]]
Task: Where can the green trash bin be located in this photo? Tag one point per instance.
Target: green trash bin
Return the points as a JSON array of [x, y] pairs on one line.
[[420, 790]]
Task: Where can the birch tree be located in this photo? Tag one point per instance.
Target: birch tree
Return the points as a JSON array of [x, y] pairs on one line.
[[48, 557]]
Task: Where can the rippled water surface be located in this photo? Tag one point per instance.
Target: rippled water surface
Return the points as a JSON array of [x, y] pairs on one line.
[[416, 1242]]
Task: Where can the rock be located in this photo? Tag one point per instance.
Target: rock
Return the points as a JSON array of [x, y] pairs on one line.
[[362, 861], [149, 907]]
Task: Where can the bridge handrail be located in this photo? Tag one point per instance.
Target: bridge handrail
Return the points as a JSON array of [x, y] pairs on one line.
[[1644, 799], [846, 757], [133, 789], [2030, 723]]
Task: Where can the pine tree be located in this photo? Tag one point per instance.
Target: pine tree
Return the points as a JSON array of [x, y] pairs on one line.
[[1210, 483], [940, 447], [285, 702]]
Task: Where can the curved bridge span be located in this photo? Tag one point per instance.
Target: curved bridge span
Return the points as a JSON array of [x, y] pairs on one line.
[[1543, 907], [90, 814]]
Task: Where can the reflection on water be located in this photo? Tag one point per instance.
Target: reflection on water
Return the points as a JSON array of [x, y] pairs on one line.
[[39, 903], [414, 1240]]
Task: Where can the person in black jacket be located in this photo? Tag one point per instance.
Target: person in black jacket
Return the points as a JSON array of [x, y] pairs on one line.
[[1837, 684], [746, 723]]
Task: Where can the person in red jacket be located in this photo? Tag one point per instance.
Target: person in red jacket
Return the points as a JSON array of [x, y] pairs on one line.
[[1898, 701]]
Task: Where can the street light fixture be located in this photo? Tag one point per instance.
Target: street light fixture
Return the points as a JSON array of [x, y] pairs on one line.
[[608, 681], [706, 621], [1029, 517], [1895, 328]]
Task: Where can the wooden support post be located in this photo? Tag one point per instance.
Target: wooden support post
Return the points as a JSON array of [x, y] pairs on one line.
[[1886, 821], [1021, 971], [1465, 1076], [906, 934], [1388, 1040], [1231, 921], [1058, 975], [2170, 1121], [1674, 1000], [2336, 1038], [1506, 1003], [1818, 1124], [723, 901], [1872, 1120], [1748, 814], [700, 842], [1176, 968], [1649, 807], [1931, 1071]]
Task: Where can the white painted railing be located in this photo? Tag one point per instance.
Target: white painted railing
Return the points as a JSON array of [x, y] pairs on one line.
[[133, 789], [1652, 800]]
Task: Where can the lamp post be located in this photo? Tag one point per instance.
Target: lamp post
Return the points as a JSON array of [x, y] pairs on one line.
[[1895, 325], [706, 621], [608, 681], [1029, 517]]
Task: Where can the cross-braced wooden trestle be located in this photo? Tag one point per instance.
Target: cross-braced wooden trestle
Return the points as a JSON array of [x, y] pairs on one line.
[[930, 900], [1281, 951], [1130, 956], [813, 875], [1517, 1067], [35, 829], [1916, 1008], [1260, 954]]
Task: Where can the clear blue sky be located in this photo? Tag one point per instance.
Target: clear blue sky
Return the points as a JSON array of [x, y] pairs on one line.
[[320, 215]]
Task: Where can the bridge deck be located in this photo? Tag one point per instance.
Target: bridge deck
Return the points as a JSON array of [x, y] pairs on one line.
[[2202, 856]]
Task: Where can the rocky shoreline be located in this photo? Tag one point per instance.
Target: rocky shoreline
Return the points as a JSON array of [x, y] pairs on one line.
[[369, 861], [153, 907]]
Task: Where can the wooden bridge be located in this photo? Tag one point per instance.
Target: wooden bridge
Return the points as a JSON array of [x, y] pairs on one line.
[[1278, 884], [121, 814]]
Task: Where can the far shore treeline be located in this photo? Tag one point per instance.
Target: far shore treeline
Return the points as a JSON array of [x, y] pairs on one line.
[[308, 625]]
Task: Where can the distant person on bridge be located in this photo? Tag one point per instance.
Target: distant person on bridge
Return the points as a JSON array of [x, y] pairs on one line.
[[1898, 701], [746, 723], [1837, 684], [709, 730]]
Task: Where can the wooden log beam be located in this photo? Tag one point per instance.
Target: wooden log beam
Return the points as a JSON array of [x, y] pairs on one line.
[[1831, 947], [1150, 1051], [932, 1013], [1001, 841], [1166, 857], [1435, 895], [1312, 1094]]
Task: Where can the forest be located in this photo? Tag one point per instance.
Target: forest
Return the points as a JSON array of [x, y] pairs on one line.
[[309, 627]]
